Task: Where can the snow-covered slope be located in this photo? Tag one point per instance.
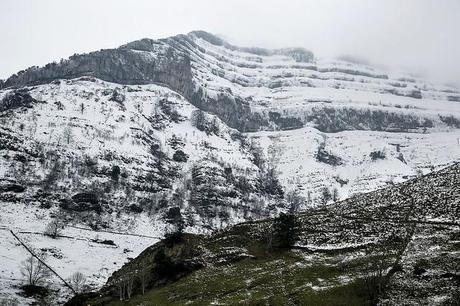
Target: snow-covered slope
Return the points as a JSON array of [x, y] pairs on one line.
[[170, 133], [403, 156], [102, 158], [126, 142]]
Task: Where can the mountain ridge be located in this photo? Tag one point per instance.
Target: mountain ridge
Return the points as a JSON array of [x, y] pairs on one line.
[[176, 62]]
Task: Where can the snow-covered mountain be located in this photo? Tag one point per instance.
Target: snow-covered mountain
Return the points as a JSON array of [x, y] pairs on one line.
[[255, 89], [191, 131]]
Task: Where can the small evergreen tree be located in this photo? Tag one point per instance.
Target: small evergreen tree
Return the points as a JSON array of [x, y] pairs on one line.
[[286, 230], [335, 194], [199, 120], [115, 173]]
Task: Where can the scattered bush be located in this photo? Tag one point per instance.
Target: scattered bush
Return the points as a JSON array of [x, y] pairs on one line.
[[326, 195], [326, 157], [135, 208], [180, 156], [401, 158], [374, 279], [170, 111], [54, 228], [199, 120], [257, 154], [67, 134], [15, 100], [269, 183], [203, 123], [52, 176], [115, 173], [176, 142], [104, 241], [34, 291], [450, 121], [378, 154], [117, 96], [335, 194], [294, 200]]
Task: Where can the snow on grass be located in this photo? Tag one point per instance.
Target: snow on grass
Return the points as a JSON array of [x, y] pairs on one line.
[[11, 255], [75, 250]]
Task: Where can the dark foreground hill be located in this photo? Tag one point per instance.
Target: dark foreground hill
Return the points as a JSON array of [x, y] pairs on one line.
[[395, 246]]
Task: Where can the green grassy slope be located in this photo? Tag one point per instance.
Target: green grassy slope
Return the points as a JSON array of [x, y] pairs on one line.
[[395, 246]]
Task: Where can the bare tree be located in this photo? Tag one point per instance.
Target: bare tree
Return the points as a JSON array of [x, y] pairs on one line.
[[68, 134], [295, 200], [129, 284], [374, 279], [125, 286], [268, 177], [143, 274], [274, 153], [54, 228], [78, 281], [326, 195], [34, 271], [121, 289], [53, 175]]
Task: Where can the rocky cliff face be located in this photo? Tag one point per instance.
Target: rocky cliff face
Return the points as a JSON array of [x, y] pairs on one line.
[[254, 88], [125, 65]]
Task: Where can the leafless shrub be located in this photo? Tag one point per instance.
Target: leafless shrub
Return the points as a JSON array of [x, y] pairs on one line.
[[68, 134], [375, 277], [125, 286], [34, 271], [78, 281], [325, 196], [295, 200], [143, 273], [53, 175], [54, 228]]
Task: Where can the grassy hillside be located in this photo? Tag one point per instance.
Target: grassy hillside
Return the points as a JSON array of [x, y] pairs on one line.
[[396, 246]]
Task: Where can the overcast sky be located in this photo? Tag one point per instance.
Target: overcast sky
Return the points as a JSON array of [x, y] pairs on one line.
[[415, 35]]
